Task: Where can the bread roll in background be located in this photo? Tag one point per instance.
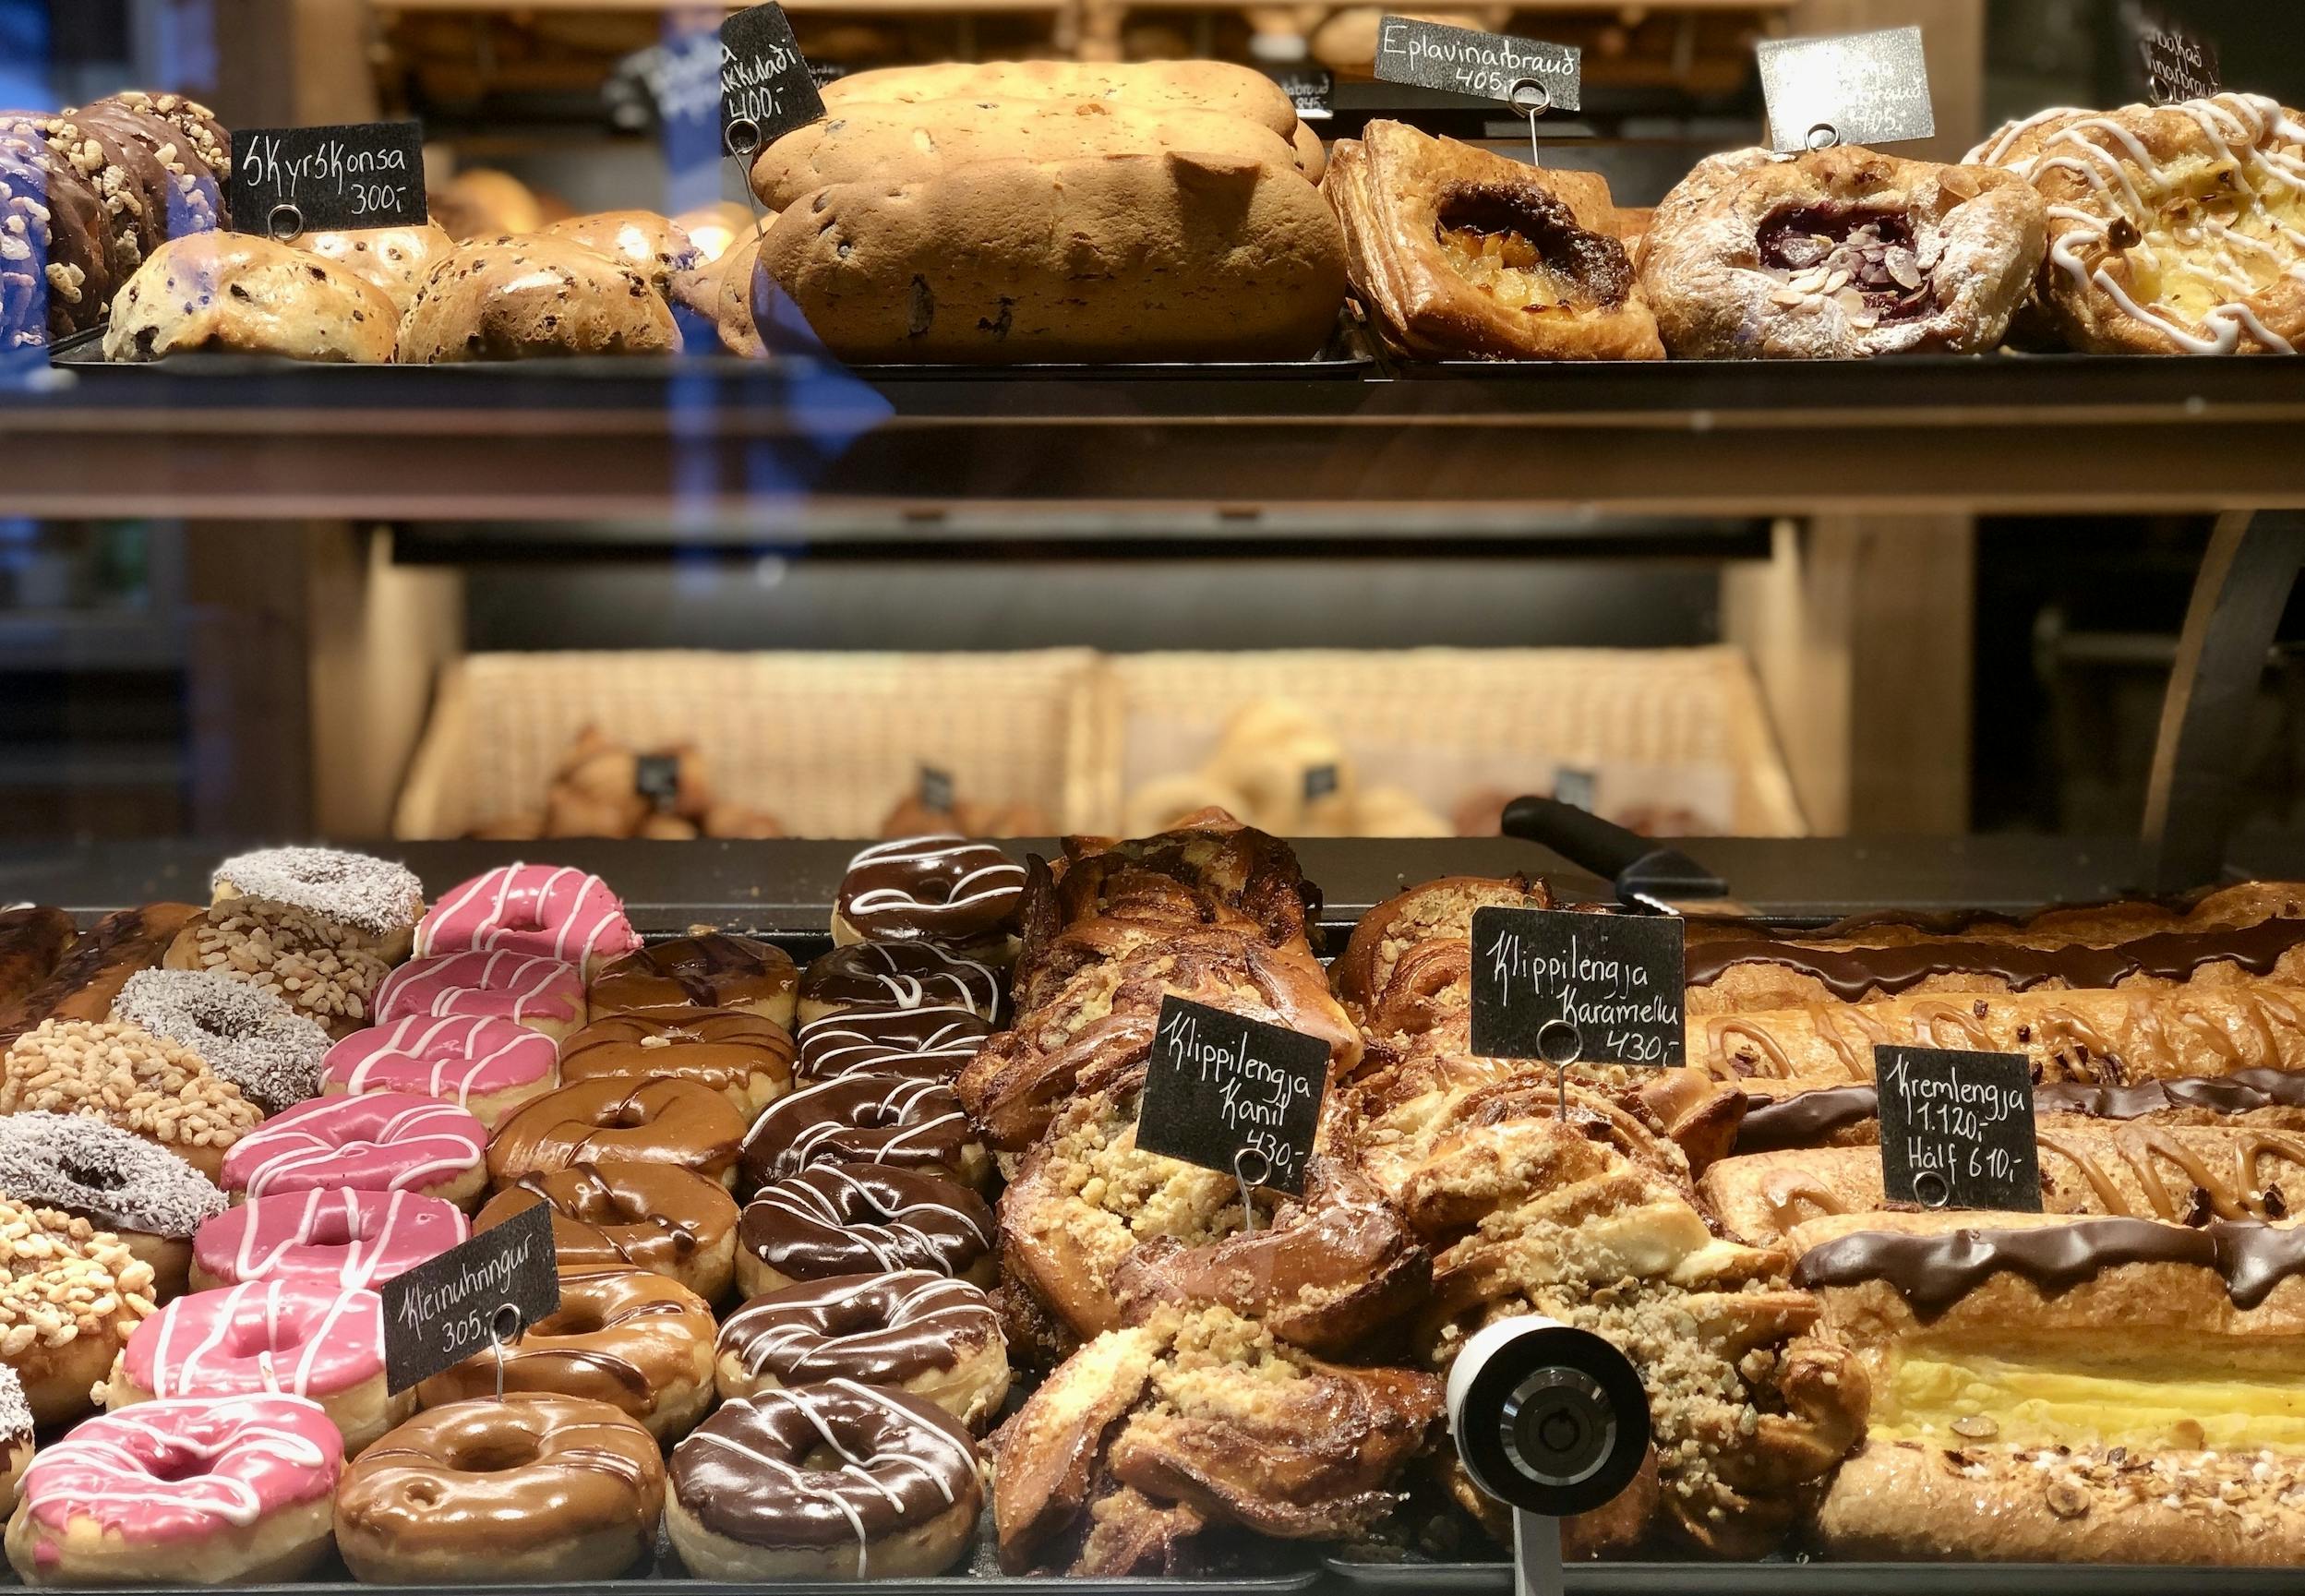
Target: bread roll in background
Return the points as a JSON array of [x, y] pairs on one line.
[[1150, 85]]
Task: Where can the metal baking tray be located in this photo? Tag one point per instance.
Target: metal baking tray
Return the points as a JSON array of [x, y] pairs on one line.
[[1803, 1576], [1349, 356]]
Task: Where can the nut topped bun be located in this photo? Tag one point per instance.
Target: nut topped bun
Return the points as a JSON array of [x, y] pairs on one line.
[[514, 298], [237, 294]]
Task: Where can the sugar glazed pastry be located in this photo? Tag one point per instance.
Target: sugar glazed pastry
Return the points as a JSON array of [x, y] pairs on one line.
[[1165, 255], [236, 293], [1456, 252], [1840, 254], [524, 298], [2172, 229]]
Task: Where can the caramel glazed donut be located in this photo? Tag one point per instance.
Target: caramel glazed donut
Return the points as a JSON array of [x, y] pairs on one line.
[[910, 1331], [859, 1219], [538, 1487], [897, 1496], [668, 1221], [638, 1341]]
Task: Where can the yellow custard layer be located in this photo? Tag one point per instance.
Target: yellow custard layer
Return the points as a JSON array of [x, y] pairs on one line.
[[2211, 240], [1507, 268], [2190, 1398]]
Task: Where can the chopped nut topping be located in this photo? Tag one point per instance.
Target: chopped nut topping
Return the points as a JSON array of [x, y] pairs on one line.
[[320, 969], [125, 1075]]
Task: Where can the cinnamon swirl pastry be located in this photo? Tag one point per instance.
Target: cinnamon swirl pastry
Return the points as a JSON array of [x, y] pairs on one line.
[[1455, 252], [1207, 871], [1151, 1436], [1439, 911], [2117, 1037], [1840, 254], [2172, 229]]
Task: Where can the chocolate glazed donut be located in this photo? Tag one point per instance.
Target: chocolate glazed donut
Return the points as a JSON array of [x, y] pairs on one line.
[[851, 1219], [637, 1341], [937, 889], [897, 976], [534, 1488], [748, 1504], [712, 970], [918, 1044], [911, 1331], [865, 1120], [671, 1222]]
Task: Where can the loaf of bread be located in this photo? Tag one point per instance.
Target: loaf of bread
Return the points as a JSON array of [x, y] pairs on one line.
[[1169, 256], [238, 294], [893, 141], [1149, 86], [653, 246], [523, 298]]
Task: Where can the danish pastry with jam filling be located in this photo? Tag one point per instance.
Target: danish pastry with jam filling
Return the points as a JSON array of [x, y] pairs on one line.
[[1456, 252]]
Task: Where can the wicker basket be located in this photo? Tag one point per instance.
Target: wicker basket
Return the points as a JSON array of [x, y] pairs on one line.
[[825, 742], [1666, 731]]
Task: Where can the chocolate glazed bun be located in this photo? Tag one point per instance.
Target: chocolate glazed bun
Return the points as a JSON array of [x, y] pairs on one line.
[[855, 1219], [711, 970]]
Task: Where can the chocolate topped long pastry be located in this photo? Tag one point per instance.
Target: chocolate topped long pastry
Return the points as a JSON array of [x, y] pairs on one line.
[[2047, 1389], [2117, 1036], [2254, 930]]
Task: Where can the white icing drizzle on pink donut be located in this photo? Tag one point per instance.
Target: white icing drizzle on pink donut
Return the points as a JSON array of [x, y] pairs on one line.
[[2247, 131], [455, 1057], [343, 1238], [179, 1471], [508, 986], [289, 1338], [376, 1142], [547, 910]]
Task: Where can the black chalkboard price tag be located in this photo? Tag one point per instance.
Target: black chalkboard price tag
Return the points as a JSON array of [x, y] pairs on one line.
[[936, 790], [656, 777], [1312, 89], [1487, 66], [2179, 63], [1852, 88], [1602, 989], [766, 90], [1320, 782], [1232, 1094], [287, 181], [494, 1286], [1956, 1129]]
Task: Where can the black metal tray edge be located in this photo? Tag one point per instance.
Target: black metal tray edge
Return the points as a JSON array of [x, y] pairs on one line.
[[1346, 356], [939, 1585], [1810, 1578]]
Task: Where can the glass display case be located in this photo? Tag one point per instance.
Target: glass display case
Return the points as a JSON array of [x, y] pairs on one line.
[[660, 689]]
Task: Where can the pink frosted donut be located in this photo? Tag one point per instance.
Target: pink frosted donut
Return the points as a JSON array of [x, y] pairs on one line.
[[550, 911], [544, 994], [288, 1337], [191, 1493], [377, 1142], [343, 1238], [487, 1067]]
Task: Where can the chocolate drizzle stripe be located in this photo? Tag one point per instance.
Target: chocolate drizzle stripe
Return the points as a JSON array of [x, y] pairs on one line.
[[1933, 1272], [1849, 973], [1810, 1119]]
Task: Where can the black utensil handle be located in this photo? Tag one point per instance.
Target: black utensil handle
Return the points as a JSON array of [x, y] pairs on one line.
[[1639, 868]]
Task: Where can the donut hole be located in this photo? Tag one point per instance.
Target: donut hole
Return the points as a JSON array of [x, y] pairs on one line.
[[493, 1454], [577, 1321], [213, 1018], [175, 1465], [96, 1177], [1524, 247], [332, 1228]]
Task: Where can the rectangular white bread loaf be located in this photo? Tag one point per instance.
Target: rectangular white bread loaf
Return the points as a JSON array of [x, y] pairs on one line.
[[895, 142], [1141, 85], [1169, 256]]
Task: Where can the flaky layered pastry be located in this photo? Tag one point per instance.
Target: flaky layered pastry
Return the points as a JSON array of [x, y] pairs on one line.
[[1838, 255], [1209, 869], [1455, 252], [2172, 229], [1435, 911], [2054, 1389], [1093, 1230], [1592, 1222], [2115, 1037], [2187, 1174], [1151, 1434], [2251, 931]]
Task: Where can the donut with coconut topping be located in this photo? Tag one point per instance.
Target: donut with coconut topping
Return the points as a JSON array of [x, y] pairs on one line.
[[241, 1032], [375, 898], [117, 1180]]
